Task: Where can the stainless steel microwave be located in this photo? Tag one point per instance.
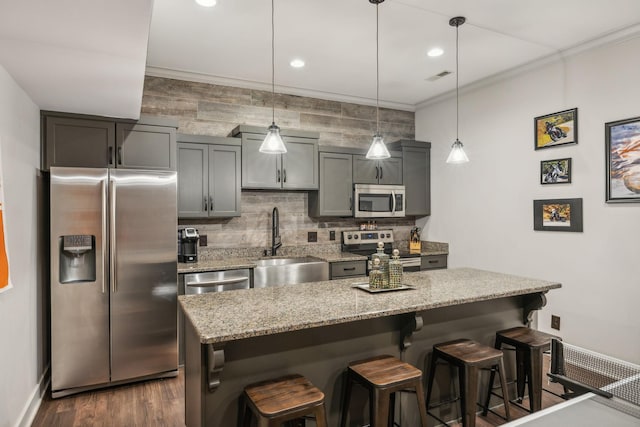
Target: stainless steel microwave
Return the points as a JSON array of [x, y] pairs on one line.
[[378, 201]]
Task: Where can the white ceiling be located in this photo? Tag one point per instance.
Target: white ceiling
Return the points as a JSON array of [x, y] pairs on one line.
[[89, 56]]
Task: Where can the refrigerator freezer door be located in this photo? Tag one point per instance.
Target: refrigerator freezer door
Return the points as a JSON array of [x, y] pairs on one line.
[[79, 288], [143, 207]]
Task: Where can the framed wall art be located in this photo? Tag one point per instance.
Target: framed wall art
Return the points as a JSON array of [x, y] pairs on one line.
[[555, 129], [557, 215], [556, 171], [623, 160]]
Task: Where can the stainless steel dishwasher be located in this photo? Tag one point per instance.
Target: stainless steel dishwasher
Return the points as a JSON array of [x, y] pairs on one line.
[[201, 283], [216, 281]]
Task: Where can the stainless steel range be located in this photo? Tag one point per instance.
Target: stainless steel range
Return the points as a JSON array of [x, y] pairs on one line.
[[366, 243]]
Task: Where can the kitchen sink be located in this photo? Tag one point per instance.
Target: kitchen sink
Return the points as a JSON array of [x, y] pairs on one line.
[[289, 271]]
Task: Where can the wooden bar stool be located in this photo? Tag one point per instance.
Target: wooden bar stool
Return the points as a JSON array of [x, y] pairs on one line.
[[469, 357], [276, 401], [529, 346], [383, 376]]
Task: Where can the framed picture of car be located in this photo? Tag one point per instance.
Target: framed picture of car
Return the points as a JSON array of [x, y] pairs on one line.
[[557, 215], [556, 129], [556, 171], [623, 160]]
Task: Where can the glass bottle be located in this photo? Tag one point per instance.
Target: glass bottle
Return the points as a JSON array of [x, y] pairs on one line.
[[384, 264], [395, 270], [375, 275]]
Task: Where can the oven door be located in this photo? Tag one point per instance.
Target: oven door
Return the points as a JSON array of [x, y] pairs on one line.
[[379, 201]]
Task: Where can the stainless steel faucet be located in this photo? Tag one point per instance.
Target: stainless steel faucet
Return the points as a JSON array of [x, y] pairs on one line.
[[276, 242]]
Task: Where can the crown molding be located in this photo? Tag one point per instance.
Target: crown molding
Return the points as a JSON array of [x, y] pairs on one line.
[[613, 37], [288, 90]]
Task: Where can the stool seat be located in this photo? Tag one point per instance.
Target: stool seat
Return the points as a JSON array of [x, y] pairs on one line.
[[467, 352], [385, 371], [469, 357], [521, 335], [383, 376], [283, 399]]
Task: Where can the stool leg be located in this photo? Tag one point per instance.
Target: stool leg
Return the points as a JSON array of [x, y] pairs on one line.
[[535, 379], [487, 401], [244, 414], [321, 416], [348, 384], [503, 386], [432, 374], [468, 394], [521, 357], [422, 407], [392, 409], [380, 407]]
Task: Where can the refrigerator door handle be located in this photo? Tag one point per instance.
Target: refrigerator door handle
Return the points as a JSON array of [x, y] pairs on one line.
[[105, 274], [112, 231]]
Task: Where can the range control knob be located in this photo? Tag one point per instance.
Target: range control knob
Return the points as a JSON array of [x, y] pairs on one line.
[[349, 236], [355, 237]]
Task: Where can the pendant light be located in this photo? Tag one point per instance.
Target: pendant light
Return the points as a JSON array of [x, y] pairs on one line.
[[377, 150], [457, 154], [273, 143]]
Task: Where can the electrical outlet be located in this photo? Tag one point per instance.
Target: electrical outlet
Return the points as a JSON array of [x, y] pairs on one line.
[[555, 322], [312, 236], [203, 240], [332, 235]]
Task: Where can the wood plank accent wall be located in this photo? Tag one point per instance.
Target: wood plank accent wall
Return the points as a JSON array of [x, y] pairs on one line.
[[206, 109]]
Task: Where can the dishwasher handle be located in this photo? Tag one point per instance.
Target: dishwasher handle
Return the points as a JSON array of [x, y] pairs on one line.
[[217, 282]]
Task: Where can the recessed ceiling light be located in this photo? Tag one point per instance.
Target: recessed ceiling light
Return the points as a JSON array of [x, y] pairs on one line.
[[436, 51], [206, 3], [297, 63]]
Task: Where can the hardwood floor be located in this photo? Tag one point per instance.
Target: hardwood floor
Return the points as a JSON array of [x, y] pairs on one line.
[[161, 403]]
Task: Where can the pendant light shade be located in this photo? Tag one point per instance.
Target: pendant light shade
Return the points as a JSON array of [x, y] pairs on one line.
[[457, 154], [377, 150], [273, 142]]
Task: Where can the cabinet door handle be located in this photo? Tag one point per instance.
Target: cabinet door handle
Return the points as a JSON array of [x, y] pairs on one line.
[[284, 175], [350, 203], [205, 204], [210, 204], [120, 155], [278, 176], [110, 155], [380, 172], [349, 269], [377, 172], [432, 261]]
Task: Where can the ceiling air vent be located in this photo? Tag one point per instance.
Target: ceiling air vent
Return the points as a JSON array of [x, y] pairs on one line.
[[438, 76]]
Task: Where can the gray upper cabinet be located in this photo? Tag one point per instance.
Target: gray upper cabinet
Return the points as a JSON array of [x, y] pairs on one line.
[[75, 142], [387, 171], [145, 147], [335, 196], [208, 177], [297, 169], [416, 157]]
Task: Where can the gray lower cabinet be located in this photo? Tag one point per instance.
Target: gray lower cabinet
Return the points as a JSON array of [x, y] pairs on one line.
[[147, 147], [208, 177], [432, 262], [73, 140], [344, 269], [335, 195], [387, 171], [416, 171]]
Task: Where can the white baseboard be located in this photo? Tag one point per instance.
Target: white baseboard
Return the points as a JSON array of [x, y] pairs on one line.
[[33, 404]]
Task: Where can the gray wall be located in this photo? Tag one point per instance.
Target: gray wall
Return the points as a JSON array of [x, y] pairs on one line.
[[205, 109]]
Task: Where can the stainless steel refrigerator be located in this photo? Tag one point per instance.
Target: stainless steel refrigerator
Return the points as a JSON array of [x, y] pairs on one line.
[[113, 277]]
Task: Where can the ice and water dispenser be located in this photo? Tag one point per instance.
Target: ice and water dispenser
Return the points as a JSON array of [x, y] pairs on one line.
[[77, 258]]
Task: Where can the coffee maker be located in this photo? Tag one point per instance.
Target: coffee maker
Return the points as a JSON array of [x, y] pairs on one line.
[[188, 244]]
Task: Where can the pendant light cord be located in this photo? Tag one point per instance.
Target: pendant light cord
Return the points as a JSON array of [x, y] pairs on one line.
[[457, 85], [273, 66], [377, 72]]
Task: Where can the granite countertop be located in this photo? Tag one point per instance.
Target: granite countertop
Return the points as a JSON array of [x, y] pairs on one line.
[[237, 263], [227, 316]]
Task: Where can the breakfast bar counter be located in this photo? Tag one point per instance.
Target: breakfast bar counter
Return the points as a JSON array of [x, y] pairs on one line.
[[315, 329]]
